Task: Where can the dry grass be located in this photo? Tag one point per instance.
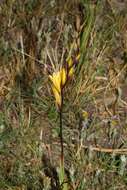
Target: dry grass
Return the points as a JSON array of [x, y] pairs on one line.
[[35, 36]]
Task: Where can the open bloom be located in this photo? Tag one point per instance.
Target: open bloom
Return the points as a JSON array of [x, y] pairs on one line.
[[58, 79]]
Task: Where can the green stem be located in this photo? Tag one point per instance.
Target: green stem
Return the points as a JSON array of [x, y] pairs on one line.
[[61, 131], [61, 174]]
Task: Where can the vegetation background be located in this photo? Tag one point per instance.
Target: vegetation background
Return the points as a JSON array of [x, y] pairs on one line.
[[35, 36]]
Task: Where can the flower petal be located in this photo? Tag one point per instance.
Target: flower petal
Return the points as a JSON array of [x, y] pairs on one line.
[[70, 62], [78, 57], [57, 96], [63, 76], [56, 80], [71, 72]]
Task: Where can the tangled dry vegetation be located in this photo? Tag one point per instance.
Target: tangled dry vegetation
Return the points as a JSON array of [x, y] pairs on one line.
[[37, 36]]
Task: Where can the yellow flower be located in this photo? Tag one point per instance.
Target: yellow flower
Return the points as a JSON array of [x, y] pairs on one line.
[[85, 115], [71, 72], [70, 67], [78, 57], [58, 80], [70, 62]]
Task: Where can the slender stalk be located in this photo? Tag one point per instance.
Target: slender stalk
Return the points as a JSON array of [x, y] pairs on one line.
[[61, 130], [62, 176]]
